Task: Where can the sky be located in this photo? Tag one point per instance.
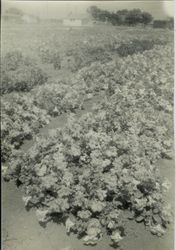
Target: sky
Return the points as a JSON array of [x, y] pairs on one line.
[[60, 9]]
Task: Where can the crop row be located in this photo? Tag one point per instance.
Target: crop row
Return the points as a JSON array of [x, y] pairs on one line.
[[83, 54], [20, 73], [104, 164]]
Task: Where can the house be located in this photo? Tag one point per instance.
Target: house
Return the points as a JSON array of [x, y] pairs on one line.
[[26, 18], [73, 20], [54, 21]]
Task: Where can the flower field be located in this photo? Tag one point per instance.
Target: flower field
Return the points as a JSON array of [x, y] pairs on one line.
[[101, 167]]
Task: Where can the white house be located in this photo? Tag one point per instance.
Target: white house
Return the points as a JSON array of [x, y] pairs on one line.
[[30, 18], [73, 20]]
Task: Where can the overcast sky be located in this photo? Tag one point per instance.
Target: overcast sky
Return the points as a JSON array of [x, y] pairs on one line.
[[57, 9]]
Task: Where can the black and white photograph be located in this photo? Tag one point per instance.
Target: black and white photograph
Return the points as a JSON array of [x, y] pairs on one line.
[[87, 125]]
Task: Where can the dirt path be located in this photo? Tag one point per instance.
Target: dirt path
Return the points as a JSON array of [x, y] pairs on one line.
[[61, 120]]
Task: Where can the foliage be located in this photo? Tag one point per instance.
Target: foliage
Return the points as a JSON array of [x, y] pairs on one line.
[[57, 98], [20, 120], [13, 60], [19, 73], [146, 18], [164, 23], [93, 170], [137, 46], [75, 58], [121, 17], [113, 74], [104, 163], [50, 56], [134, 16], [88, 54], [97, 48], [97, 166], [94, 11]]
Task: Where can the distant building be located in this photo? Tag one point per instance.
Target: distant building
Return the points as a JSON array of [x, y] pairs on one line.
[[54, 21], [30, 18], [73, 20]]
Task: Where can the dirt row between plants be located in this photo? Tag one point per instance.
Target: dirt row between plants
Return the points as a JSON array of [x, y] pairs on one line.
[[61, 120]]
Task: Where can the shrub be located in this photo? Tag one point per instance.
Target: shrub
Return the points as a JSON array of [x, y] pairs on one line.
[[76, 57], [56, 98], [20, 120], [20, 73], [22, 79], [84, 56], [50, 56], [134, 47], [164, 23], [14, 59]]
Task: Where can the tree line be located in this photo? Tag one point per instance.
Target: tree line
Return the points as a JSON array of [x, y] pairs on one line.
[[121, 17]]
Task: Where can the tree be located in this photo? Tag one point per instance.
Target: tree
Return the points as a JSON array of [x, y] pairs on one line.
[[134, 16], [104, 15], [122, 14], [160, 24], [114, 19], [120, 17], [146, 18], [171, 22], [94, 11]]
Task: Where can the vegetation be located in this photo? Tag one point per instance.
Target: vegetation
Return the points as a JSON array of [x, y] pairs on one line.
[[19, 73], [137, 46], [104, 163], [102, 166], [57, 98], [164, 23], [122, 17], [21, 119]]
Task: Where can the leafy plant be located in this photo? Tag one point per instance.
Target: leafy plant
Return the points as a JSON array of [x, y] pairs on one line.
[[19, 73], [136, 46], [97, 166], [20, 121]]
